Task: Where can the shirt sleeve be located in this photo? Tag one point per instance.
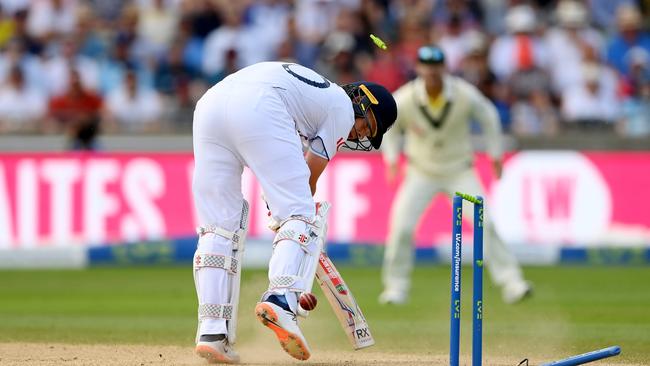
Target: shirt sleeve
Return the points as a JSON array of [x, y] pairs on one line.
[[333, 133], [485, 113]]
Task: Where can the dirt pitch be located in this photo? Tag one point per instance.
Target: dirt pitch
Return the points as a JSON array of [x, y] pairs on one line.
[[40, 354]]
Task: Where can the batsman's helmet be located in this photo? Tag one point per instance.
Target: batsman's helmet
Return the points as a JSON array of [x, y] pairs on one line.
[[367, 95]]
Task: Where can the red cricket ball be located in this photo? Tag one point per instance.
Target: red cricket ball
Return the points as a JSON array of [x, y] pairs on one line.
[[308, 301]]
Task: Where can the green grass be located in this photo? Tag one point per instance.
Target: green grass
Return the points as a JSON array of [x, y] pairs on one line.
[[574, 310]]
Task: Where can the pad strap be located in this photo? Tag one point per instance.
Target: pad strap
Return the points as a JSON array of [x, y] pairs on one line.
[[300, 238], [215, 311], [307, 220], [228, 263], [236, 237], [291, 283]]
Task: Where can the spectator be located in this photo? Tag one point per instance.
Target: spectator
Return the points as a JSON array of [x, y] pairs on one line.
[[30, 65], [120, 58], [338, 61], [591, 103], [630, 34], [636, 107], [172, 78], [636, 113], [12, 55], [107, 12], [602, 11], [452, 22], [200, 18], [64, 57], [519, 60], [50, 19], [269, 18], [537, 116], [532, 111], [179, 86], [474, 66], [11, 7], [466, 13], [493, 22], [157, 26], [638, 62], [315, 19], [475, 69], [568, 42], [379, 19], [413, 9], [413, 34], [453, 41], [138, 50], [235, 35], [180, 47], [7, 26], [230, 66], [520, 49], [76, 112], [384, 68], [21, 107], [352, 21], [91, 41], [133, 108], [285, 52], [170, 4], [21, 33], [203, 17]]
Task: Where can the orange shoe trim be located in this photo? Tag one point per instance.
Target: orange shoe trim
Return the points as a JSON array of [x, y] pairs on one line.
[[211, 355], [290, 342]]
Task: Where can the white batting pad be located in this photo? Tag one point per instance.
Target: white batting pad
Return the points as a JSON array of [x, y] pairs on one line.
[[296, 247], [217, 274]]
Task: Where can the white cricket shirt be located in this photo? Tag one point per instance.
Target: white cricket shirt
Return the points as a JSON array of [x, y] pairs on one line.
[[321, 110]]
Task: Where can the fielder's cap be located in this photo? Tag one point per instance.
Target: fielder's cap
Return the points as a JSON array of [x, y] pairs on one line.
[[382, 104], [431, 55]]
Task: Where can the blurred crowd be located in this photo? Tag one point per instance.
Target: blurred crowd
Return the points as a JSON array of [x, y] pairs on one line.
[[117, 66]]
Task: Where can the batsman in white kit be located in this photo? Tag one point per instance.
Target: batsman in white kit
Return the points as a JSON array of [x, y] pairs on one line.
[[264, 117]]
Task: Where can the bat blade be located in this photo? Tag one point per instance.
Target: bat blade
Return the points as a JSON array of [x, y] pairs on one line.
[[345, 307]]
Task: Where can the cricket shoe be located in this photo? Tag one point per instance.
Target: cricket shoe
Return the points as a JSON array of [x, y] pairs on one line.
[[216, 349], [389, 297], [285, 325], [515, 292]]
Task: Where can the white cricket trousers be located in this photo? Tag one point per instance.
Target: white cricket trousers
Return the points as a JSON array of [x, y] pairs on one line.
[[236, 126], [413, 197]]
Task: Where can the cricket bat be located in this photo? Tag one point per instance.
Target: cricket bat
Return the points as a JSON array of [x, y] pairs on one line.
[[343, 303]]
